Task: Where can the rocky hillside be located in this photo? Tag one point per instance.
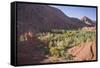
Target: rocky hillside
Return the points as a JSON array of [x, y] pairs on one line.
[[41, 18], [88, 21]]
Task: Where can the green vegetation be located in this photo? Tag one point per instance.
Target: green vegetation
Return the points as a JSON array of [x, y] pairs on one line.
[[58, 41]]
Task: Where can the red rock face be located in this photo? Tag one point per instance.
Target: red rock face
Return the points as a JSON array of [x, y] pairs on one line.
[[85, 51]]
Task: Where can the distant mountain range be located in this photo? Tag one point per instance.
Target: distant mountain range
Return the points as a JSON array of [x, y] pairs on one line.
[[41, 18]]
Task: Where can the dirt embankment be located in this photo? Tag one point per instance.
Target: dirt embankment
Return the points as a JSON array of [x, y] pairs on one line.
[[84, 51]]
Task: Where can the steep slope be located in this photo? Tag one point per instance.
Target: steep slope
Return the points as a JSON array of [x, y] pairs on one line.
[[88, 21], [41, 18]]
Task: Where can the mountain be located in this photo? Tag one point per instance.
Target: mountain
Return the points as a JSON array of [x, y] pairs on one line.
[[42, 18], [88, 21]]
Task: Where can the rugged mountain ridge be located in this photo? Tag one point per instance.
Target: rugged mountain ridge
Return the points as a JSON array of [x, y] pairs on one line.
[[41, 18], [88, 21]]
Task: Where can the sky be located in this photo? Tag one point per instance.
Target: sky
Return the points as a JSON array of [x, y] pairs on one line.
[[78, 12]]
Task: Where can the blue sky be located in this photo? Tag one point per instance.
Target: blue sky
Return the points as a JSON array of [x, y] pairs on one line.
[[78, 12]]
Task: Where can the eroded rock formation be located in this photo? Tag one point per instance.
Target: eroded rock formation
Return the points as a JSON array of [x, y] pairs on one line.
[[85, 51]]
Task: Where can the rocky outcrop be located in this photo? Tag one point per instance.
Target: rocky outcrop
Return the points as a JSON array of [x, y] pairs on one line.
[[84, 51], [88, 21]]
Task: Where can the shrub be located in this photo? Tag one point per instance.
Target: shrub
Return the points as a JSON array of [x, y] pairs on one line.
[[58, 43]]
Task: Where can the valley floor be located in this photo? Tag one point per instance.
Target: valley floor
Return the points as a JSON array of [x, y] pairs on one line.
[[57, 46]]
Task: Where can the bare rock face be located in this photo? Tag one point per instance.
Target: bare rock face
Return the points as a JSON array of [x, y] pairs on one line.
[[88, 21], [85, 51]]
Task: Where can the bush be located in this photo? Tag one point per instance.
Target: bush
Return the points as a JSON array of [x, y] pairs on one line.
[[58, 43]]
